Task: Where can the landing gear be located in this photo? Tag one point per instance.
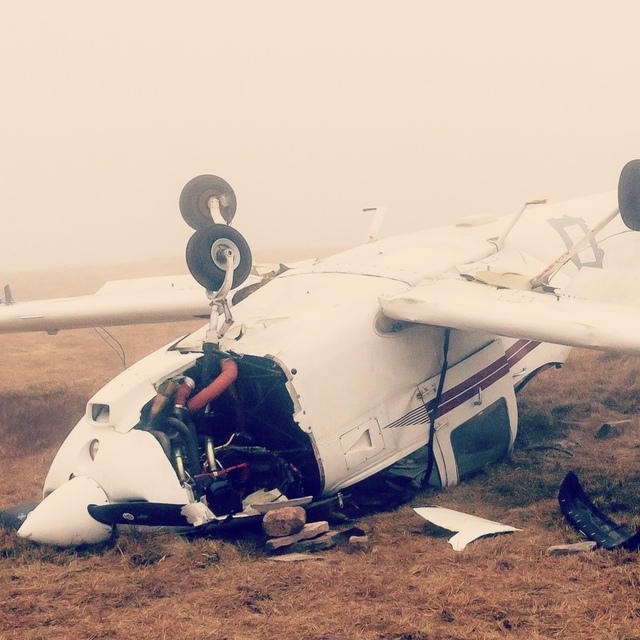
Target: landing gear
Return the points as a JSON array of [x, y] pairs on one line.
[[208, 253], [200, 198], [218, 256], [629, 194]]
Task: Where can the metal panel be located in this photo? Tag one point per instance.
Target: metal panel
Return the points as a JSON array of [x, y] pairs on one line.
[[362, 443]]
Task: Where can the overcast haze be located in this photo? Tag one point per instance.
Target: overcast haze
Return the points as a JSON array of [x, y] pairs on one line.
[[311, 111]]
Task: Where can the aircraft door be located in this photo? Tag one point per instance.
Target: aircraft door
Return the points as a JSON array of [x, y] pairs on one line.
[[477, 415]]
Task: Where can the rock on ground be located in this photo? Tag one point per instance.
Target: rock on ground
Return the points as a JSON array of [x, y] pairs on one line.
[[283, 522]]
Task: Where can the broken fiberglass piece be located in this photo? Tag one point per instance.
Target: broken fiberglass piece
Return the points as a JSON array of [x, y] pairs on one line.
[[469, 527], [578, 509]]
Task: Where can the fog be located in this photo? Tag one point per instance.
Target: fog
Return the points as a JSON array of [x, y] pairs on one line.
[[311, 111]]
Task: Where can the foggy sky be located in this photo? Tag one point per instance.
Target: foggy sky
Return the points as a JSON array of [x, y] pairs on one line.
[[311, 110]]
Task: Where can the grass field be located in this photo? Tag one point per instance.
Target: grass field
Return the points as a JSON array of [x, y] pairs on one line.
[[410, 585]]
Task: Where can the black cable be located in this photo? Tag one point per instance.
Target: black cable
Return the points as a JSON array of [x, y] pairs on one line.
[[433, 414], [119, 351]]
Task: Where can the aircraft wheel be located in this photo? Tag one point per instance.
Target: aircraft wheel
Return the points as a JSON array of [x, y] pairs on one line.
[[629, 194], [195, 196], [205, 256]]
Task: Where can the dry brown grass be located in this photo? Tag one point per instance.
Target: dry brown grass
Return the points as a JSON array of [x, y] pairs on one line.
[[410, 586]]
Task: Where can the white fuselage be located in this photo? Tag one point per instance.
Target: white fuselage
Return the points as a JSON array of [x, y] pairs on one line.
[[359, 384]]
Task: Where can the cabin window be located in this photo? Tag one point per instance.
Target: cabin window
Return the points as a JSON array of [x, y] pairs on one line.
[[483, 439]]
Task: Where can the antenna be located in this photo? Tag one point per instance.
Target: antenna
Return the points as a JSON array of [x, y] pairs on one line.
[[8, 298]]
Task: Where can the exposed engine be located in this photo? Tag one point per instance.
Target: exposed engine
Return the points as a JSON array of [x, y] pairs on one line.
[[227, 427]]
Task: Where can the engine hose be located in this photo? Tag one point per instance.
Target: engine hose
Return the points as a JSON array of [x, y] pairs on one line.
[[218, 386], [189, 438], [433, 414]]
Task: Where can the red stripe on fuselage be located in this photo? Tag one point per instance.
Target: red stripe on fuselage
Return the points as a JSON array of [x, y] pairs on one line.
[[454, 397], [519, 350]]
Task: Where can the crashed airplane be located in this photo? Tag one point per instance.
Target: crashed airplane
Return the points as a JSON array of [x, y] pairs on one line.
[[402, 356]]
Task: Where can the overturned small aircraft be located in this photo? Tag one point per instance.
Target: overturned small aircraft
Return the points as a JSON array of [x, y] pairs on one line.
[[401, 356]]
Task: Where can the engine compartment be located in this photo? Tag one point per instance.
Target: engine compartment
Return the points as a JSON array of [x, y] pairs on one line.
[[243, 441]]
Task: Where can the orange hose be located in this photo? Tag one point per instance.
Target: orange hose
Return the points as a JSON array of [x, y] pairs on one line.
[[218, 386]]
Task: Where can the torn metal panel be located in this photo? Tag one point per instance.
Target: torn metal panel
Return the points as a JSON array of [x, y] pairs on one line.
[[469, 527]]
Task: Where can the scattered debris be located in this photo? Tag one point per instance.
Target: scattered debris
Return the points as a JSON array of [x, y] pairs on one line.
[[197, 513], [587, 518], [469, 527], [570, 549], [283, 522], [297, 557], [289, 532]]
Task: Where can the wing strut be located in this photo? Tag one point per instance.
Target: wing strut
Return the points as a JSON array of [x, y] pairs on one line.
[[220, 302], [499, 241], [544, 276]]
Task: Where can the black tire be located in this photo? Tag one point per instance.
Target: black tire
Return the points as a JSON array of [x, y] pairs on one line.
[[629, 194], [195, 196], [204, 262]]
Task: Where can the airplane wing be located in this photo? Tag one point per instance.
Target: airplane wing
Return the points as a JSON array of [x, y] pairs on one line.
[[123, 302], [136, 301], [544, 317]]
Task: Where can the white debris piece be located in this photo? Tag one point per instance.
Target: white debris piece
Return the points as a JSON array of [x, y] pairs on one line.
[[197, 513], [469, 527]]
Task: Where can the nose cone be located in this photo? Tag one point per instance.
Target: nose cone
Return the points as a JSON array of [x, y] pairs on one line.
[[62, 519]]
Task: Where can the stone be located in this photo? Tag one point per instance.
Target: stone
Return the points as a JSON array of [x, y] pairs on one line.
[[359, 543], [568, 549], [321, 543], [308, 531], [296, 557], [611, 429], [283, 522]]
